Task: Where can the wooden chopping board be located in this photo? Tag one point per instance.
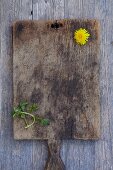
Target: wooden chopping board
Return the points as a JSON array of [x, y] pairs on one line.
[[51, 69]]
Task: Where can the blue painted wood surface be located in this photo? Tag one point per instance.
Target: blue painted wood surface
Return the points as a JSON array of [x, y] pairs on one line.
[[77, 155]]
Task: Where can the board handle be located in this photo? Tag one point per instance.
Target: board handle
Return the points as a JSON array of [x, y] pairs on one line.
[[54, 161]]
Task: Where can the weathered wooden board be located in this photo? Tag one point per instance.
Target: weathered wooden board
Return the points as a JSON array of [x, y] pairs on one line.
[[50, 69]]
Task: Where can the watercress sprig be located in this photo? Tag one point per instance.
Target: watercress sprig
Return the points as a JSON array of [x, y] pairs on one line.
[[24, 110]]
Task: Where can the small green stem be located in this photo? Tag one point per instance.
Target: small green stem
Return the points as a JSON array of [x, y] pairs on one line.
[[28, 125], [25, 122], [14, 115]]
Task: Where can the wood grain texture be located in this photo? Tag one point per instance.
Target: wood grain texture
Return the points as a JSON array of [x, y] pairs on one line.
[[59, 75], [13, 154], [79, 155]]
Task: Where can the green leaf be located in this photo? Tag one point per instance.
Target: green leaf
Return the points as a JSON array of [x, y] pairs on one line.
[[32, 108], [23, 106], [13, 111], [23, 116], [45, 122], [42, 121]]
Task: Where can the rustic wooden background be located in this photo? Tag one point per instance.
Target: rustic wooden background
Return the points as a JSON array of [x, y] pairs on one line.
[[77, 155]]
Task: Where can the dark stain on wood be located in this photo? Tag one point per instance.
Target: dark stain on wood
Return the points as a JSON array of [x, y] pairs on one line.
[[36, 96], [68, 88], [38, 73], [94, 64], [20, 91], [50, 116], [19, 29], [69, 128]]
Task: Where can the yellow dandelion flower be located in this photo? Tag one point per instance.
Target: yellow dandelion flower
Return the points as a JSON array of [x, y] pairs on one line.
[[81, 36]]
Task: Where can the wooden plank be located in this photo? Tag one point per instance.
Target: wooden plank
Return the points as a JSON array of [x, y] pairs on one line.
[[45, 9], [79, 154], [76, 154], [13, 154]]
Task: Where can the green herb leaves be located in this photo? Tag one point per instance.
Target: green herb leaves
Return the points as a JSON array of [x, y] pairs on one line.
[[41, 121], [32, 108], [25, 110]]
